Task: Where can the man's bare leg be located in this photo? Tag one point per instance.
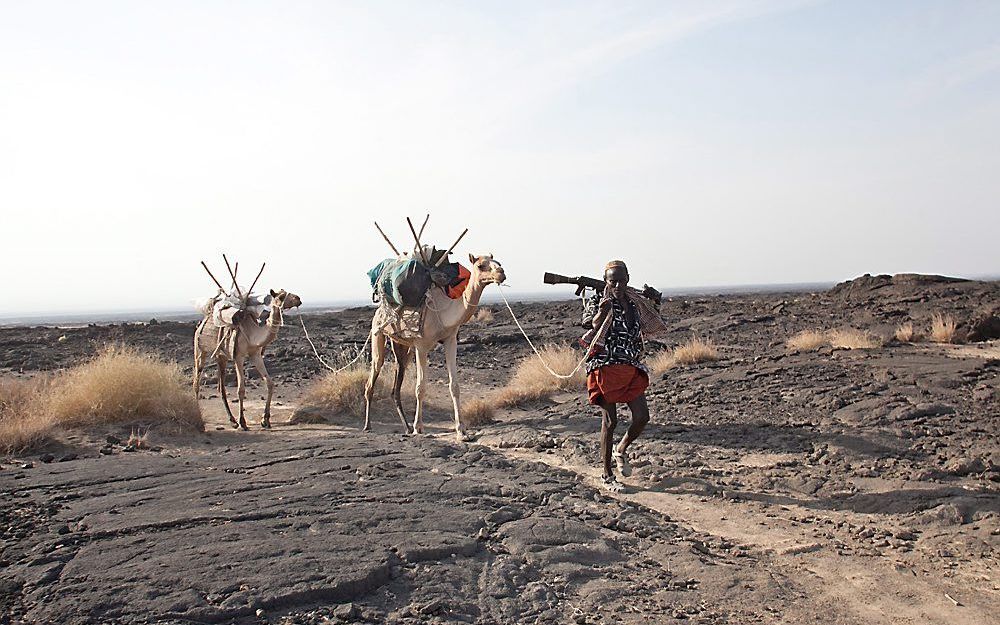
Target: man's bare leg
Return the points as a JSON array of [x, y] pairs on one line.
[[609, 421], [640, 417]]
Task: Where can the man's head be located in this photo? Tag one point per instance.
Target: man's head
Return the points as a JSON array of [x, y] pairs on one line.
[[616, 277]]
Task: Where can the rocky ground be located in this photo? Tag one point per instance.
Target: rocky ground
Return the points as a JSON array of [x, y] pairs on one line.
[[835, 486]]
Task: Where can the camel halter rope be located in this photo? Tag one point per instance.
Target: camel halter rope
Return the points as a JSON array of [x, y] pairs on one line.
[[320, 358], [364, 347], [535, 349]]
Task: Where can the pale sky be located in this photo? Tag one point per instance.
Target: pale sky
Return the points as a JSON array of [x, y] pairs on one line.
[[705, 143]]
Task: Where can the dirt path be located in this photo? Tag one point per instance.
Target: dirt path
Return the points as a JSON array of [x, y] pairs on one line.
[[872, 591]]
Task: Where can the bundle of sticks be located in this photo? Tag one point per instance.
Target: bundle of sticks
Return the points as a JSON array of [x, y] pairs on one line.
[[238, 301], [420, 250]]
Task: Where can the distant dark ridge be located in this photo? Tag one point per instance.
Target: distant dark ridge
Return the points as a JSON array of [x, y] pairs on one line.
[[901, 282]]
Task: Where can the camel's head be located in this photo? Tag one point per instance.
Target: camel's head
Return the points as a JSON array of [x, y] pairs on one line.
[[485, 270], [285, 299]]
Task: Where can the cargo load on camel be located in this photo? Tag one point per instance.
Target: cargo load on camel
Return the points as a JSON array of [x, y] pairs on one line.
[[400, 285], [405, 281], [227, 309]]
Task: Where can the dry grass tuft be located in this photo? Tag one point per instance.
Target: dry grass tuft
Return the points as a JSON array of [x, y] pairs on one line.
[[478, 411], [843, 338], [119, 385], [24, 420], [849, 338], [532, 381], [807, 340], [695, 350], [483, 316], [906, 334], [662, 361], [942, 328], [343, 392], [122, 385]]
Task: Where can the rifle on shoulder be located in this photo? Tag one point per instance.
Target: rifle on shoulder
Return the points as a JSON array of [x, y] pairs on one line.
[[585, 282]]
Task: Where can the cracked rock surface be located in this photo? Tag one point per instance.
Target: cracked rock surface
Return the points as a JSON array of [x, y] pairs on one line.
[[402, 529]]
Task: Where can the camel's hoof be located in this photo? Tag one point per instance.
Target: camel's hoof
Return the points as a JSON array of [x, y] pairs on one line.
[[243, 426], [266, 425], [464, 437]]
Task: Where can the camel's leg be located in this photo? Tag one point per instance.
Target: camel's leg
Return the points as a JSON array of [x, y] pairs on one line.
[[198, 364], [257, 360], [402, 354], [199, 358], [221, 362], [418, 418], [222, 370], [241, 390], [378, 359], [451, 361]]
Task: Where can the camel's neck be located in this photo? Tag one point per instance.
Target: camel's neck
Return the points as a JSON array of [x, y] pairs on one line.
[[470, 299], [263, 335], [451, 313], [274, 321]]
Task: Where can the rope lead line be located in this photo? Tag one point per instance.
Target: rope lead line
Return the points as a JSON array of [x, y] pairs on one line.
[[320, 358], [535, 349], [381, 276]]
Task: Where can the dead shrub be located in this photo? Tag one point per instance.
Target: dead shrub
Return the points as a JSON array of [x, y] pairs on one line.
[[942, 328], [122, 385], [138, 439], [24, 420], [849, 338], [807, 340], [483, 316], [905, 333]]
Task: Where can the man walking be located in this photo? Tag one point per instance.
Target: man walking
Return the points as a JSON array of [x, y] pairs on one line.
[[615, 371]]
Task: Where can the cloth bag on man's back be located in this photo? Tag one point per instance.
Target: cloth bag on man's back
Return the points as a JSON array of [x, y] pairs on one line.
[[404, 282]]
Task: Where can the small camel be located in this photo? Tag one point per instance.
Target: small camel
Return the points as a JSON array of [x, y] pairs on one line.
[[251, 340], [443, 317]]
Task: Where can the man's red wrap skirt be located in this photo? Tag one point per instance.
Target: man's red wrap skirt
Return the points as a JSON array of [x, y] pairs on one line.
[[616, 384]]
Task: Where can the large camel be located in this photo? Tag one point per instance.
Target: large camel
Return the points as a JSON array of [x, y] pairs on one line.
[[252, 338], [443, 317]]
